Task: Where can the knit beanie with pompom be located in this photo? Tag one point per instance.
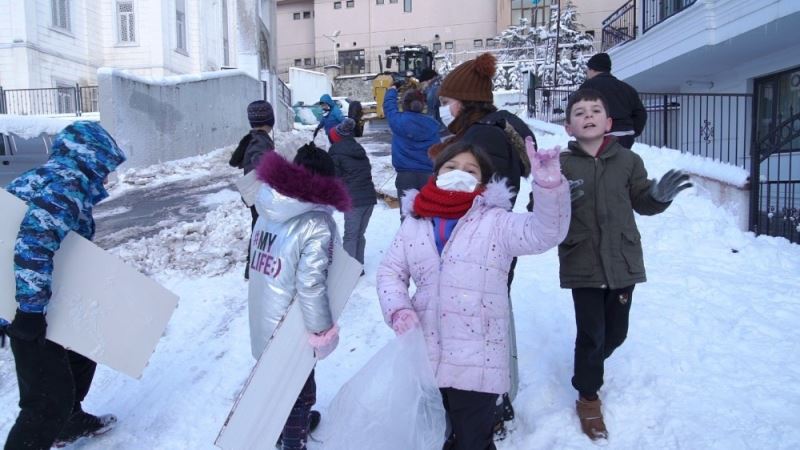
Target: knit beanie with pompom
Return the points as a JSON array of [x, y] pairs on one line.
[[471, 80]]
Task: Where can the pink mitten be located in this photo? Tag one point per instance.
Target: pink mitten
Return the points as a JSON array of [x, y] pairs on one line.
[[545, 165], [404, 320], [324, 343]]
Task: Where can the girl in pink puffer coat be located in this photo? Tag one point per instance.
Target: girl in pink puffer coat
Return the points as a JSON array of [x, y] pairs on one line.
[[457, 243]]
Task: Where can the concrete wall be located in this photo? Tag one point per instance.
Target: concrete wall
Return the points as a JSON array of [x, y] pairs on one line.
[[173, 118], [355, 88], [307, 86]]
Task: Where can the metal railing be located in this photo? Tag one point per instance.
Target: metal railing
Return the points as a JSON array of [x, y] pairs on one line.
[[656, 11], [716, 126], [48, 101], [620, 26]]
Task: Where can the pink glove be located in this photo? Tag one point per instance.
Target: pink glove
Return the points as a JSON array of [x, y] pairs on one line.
[[324, 343], [545, 165], [404, 320]]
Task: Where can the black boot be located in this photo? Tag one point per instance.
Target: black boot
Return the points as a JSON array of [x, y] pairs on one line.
[[82, 424]]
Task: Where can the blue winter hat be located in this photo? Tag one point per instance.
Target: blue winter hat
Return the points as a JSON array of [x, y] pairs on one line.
[[92, 148]]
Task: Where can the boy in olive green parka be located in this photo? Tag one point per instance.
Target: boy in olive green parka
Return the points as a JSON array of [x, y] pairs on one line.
[[601, 257]]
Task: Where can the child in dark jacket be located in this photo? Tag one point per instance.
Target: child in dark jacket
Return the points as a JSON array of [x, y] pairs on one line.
[[353, 167], [601, 258], [252, 147]]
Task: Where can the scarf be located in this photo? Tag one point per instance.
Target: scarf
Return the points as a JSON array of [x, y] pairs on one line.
[[434, 202]]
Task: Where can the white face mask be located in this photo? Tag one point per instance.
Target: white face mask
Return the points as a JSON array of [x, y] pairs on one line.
[[444, 114], [457, 180]]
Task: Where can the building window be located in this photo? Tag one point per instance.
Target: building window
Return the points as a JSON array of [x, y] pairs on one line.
[[406, 5], [298, 62], [180, 25], [491, 42], [306, 14], [538, 14], [437, 46], [126, 22], [296, 16], [351, 3], [379, 2], [60, 9], [66, 97], [477, 43], [337, 5], [307, 62], [392, 1], [449, 45], [352, 61]]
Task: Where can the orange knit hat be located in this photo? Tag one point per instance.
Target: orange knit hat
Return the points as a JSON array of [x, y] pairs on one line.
[[471, 80]]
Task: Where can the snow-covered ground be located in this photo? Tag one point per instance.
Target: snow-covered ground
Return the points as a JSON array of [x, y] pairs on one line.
[[709, 361]]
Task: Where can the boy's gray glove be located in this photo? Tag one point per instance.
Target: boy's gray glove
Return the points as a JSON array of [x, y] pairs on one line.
[[574, 191], [669, 186]]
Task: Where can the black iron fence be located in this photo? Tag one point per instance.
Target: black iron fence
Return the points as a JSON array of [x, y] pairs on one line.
[[775, 199], [717, 126], [620, 26], [47, 101], [656, 11]]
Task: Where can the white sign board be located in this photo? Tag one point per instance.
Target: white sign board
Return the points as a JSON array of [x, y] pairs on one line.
[[260, 412], [100, 307]]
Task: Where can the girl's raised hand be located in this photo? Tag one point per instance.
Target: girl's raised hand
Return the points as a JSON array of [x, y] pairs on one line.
[[545, 164]]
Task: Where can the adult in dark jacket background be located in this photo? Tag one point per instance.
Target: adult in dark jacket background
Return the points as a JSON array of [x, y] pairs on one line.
[[353, 167], [430, 82], [413, 133], [625, 107], [252, 147], [60, 194]]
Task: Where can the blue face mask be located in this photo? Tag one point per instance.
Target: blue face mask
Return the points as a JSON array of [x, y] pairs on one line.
[[444, 114]]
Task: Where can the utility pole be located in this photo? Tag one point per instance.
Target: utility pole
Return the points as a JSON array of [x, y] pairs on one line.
[[558, 35]]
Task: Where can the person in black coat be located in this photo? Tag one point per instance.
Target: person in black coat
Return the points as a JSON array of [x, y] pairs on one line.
[[625, 107], [251, 147], [353, 167]]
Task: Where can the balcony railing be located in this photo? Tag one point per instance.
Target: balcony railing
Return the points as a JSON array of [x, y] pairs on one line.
[[717, 126], [620, 26], [656, 11], [49, 101]]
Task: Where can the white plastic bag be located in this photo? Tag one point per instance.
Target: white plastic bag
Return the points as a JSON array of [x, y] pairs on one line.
[[392, 403]]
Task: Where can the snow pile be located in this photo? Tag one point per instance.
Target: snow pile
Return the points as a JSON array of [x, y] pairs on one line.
[[208, 248], [29, 127]]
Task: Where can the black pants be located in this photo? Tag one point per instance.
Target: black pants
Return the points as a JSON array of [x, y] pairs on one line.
[[52, 382], [472, 417], [254, 215], [409, 180], [295, 432], [601, 318]]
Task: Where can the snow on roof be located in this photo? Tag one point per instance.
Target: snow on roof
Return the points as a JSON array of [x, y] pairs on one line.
[[32, 126], [171, 80]]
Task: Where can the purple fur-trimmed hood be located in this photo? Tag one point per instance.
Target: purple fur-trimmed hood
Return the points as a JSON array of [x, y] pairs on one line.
[[295, 181]]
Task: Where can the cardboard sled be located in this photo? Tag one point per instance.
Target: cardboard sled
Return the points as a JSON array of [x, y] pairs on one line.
[[264, 404], [100, 307]]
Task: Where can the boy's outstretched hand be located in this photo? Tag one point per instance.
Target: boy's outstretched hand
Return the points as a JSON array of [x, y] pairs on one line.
[[669, 186], [545, 165]]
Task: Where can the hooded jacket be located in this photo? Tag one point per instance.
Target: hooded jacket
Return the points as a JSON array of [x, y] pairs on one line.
[[412, 135], [333, 118], [603, 248], [291, 247], [353, 167], [461, 295], [60, 195]]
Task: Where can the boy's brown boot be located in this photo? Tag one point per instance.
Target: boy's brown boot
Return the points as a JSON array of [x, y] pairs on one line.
[[591, 418]]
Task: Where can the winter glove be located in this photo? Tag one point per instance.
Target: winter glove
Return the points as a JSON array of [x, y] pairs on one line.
[[545, 164], [325, 342], [574, 189], [670, 185], [404, 320], [28, 327]]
